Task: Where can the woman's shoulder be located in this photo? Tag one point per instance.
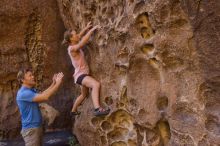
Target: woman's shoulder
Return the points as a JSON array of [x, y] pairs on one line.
[[69, 48]]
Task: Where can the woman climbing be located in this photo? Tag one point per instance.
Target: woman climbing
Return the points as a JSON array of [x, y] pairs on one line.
[[81, 75]]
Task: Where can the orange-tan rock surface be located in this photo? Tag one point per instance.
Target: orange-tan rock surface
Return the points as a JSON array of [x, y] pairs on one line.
[[157, 61]]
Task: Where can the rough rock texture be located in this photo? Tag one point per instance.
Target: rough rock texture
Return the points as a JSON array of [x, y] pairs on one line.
[[30, 34], [48, 113], [158, 63]]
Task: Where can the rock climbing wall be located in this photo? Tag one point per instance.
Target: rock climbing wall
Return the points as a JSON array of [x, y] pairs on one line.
[[157, 61], [158, 64], [30, 35]]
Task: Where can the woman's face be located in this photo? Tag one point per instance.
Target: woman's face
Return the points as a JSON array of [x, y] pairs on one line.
[[75, 37]]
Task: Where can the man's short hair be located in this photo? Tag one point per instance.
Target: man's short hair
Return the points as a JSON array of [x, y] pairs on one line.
[[21, 73]]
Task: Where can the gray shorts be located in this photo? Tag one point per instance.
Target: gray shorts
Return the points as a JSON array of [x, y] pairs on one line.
[[33, 136]]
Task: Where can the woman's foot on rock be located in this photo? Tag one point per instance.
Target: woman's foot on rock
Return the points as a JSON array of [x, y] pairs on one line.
[[101, 111]]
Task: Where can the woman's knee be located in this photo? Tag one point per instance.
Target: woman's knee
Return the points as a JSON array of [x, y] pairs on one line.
[[80, 97], [84, 95], [96, 84]]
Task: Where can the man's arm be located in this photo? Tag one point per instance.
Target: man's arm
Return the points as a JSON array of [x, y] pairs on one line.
[[84, 40], [52, 84], [45, 95], [81, 34]]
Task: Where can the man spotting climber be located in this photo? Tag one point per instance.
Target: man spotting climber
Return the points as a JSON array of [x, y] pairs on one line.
[[81, 75], [27, 100]]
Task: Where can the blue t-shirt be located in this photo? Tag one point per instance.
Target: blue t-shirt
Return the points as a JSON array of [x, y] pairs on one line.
[[30, 112]]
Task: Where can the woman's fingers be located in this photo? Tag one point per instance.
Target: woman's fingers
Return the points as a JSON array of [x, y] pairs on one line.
[[89, 24]]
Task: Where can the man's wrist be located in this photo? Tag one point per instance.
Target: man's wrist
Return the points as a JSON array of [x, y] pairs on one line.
[[58, 83]]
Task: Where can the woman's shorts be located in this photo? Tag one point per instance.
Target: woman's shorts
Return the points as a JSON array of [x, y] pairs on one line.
[[80, 78]]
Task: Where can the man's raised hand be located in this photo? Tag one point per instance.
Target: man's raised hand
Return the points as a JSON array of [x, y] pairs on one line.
[[59, 77], [54, 78]]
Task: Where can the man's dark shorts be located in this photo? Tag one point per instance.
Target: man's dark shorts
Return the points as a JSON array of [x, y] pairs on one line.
[[80, 78]]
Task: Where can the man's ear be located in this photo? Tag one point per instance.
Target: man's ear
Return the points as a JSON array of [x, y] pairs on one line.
[[22, 81]]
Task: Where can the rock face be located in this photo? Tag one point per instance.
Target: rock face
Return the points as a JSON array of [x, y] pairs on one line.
[[31, 34], [157, 61], [158, 64]]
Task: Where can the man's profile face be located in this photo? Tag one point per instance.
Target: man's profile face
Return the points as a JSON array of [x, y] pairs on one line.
[[29, 79]]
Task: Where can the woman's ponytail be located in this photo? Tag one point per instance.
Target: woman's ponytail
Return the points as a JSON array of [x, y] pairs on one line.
[[67, 36]]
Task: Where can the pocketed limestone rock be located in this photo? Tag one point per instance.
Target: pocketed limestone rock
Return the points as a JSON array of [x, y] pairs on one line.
[[49, 113]]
